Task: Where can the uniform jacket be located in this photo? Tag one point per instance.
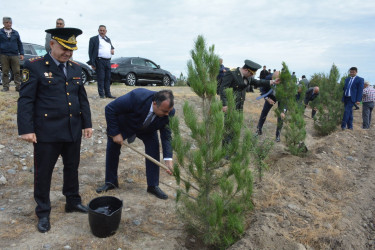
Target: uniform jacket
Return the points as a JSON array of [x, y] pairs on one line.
[[94, 49], [233, 79], [127, 113], [10, 46], [52, 106], [356, 89]]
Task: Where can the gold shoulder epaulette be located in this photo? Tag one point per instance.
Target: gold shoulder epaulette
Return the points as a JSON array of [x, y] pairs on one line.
[[233, 69], [70, 60], [34, 59]]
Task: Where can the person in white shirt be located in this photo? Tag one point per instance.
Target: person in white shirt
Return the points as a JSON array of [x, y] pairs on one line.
[[100, 53]]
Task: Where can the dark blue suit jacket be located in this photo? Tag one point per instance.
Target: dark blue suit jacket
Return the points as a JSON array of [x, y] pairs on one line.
[[127, 113], [356, 89], [94, 49]]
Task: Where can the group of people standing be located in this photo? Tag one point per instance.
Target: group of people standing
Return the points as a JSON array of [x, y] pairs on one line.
[[54, 113], [11, 52]]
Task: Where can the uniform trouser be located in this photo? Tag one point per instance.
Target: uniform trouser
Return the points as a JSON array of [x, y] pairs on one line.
[[7, 63], [347, 120], [45, 157], [367, 108], [151, 142], [103, 74]]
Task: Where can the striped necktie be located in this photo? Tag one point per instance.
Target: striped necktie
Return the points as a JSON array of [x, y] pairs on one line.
[[347, 93], [149, 119]]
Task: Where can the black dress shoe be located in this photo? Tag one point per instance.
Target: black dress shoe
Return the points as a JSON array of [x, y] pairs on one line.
[[157, 192], [111, 96], [43, 225], [107, 186], [69, 208], [102, 96]]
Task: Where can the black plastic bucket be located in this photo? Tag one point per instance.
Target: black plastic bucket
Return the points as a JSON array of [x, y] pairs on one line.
[[104, 215]]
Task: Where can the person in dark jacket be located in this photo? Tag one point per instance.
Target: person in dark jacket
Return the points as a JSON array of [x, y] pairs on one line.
[[53, 109], [10, 49], [263, 73], [140, 113], [310, 95], [100, 54], [269, 96]]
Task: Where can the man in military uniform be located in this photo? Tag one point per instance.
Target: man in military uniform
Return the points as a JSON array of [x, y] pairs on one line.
[[239, 80], [53, 109]]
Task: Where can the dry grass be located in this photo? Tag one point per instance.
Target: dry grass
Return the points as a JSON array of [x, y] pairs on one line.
[[334, 179], [8, 111]]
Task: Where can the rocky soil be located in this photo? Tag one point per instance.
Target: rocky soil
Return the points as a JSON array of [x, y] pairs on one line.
[[322, 201]]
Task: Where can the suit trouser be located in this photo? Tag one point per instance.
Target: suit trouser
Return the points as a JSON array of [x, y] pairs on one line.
[[103, 74], [7, 63], [347, 120], [263, 116], [45, 157], [151, 142], [367, 108]]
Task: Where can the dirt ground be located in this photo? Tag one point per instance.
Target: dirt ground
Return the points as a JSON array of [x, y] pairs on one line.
[[322, 201]]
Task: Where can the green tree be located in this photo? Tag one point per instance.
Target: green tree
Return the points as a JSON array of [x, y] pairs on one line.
[[329, 105], [217, 193], [294, 131]]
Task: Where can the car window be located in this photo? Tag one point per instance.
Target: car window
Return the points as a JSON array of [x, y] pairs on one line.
[[27, 49], [138, 61], [152, 65], [40, 50]]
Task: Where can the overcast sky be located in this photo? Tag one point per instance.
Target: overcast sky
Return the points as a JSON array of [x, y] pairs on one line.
[[308, 35]]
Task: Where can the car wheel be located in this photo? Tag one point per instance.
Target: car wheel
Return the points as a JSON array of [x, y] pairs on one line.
[[84, 76], [166, 81], [131, 79]]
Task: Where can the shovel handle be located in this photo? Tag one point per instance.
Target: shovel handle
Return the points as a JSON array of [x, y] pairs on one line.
[[155, 161], [147, 157]]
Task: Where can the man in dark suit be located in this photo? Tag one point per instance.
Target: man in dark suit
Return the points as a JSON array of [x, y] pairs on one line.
[[269, 100], [52, 112], [353, 90], [140, 113], [100, 53], [310, 96], [240, 80]]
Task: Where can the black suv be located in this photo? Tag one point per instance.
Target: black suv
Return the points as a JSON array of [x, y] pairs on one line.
[[32, 50]]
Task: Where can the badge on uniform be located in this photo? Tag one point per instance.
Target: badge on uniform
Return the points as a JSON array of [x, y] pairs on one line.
[[48, 75], [76, 78], [25, 75]]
